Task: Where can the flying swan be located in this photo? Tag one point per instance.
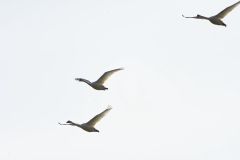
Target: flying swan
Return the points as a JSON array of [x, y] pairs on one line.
[[98, 85], [217, 18], [89, 126]]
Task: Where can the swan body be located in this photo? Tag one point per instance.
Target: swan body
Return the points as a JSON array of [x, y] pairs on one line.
[[98, 85], [89, 126], [217, 18]]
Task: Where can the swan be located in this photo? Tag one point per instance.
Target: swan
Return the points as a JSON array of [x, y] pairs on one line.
[[89, 126], [217, 18], [98, 85]]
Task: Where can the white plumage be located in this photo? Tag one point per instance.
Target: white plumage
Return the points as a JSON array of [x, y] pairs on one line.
[[89, 126], [98, 85], [217, 18]]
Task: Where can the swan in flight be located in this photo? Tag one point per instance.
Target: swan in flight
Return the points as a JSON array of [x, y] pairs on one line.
[[217, 18], [89, 126], [98, 85]]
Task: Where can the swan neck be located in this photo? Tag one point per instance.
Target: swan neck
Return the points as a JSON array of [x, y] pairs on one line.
[[86, 81], [203, 17], [72, 124]]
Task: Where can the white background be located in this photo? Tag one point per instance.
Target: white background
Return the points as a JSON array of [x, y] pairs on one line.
[[178, 97]]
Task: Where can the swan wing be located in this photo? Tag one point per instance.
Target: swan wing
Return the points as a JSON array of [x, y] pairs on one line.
[[98, 117], [223, 13], [106, 75]]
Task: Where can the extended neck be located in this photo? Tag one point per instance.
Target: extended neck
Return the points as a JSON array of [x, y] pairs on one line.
[[75, 124], [86, 81], [202, 17], [71, 123], [83, 80]]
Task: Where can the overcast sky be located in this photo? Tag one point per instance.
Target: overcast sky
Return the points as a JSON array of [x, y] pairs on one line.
[[178, 97]]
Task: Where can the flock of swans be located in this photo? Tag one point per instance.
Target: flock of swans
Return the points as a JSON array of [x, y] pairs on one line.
[[98, 85]]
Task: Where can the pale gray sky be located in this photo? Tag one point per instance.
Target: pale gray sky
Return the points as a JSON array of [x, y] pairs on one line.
[[176, 99]]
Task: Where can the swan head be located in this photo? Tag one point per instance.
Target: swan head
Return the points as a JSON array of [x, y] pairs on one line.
[[79, 79]]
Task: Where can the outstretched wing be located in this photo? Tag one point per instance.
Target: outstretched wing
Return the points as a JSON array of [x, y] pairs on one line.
[[98, 117], [223, 13], [106, 75]]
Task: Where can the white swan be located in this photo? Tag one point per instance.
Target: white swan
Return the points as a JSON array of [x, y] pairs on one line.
[[89, 126], [217, 18], [98, 85]]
